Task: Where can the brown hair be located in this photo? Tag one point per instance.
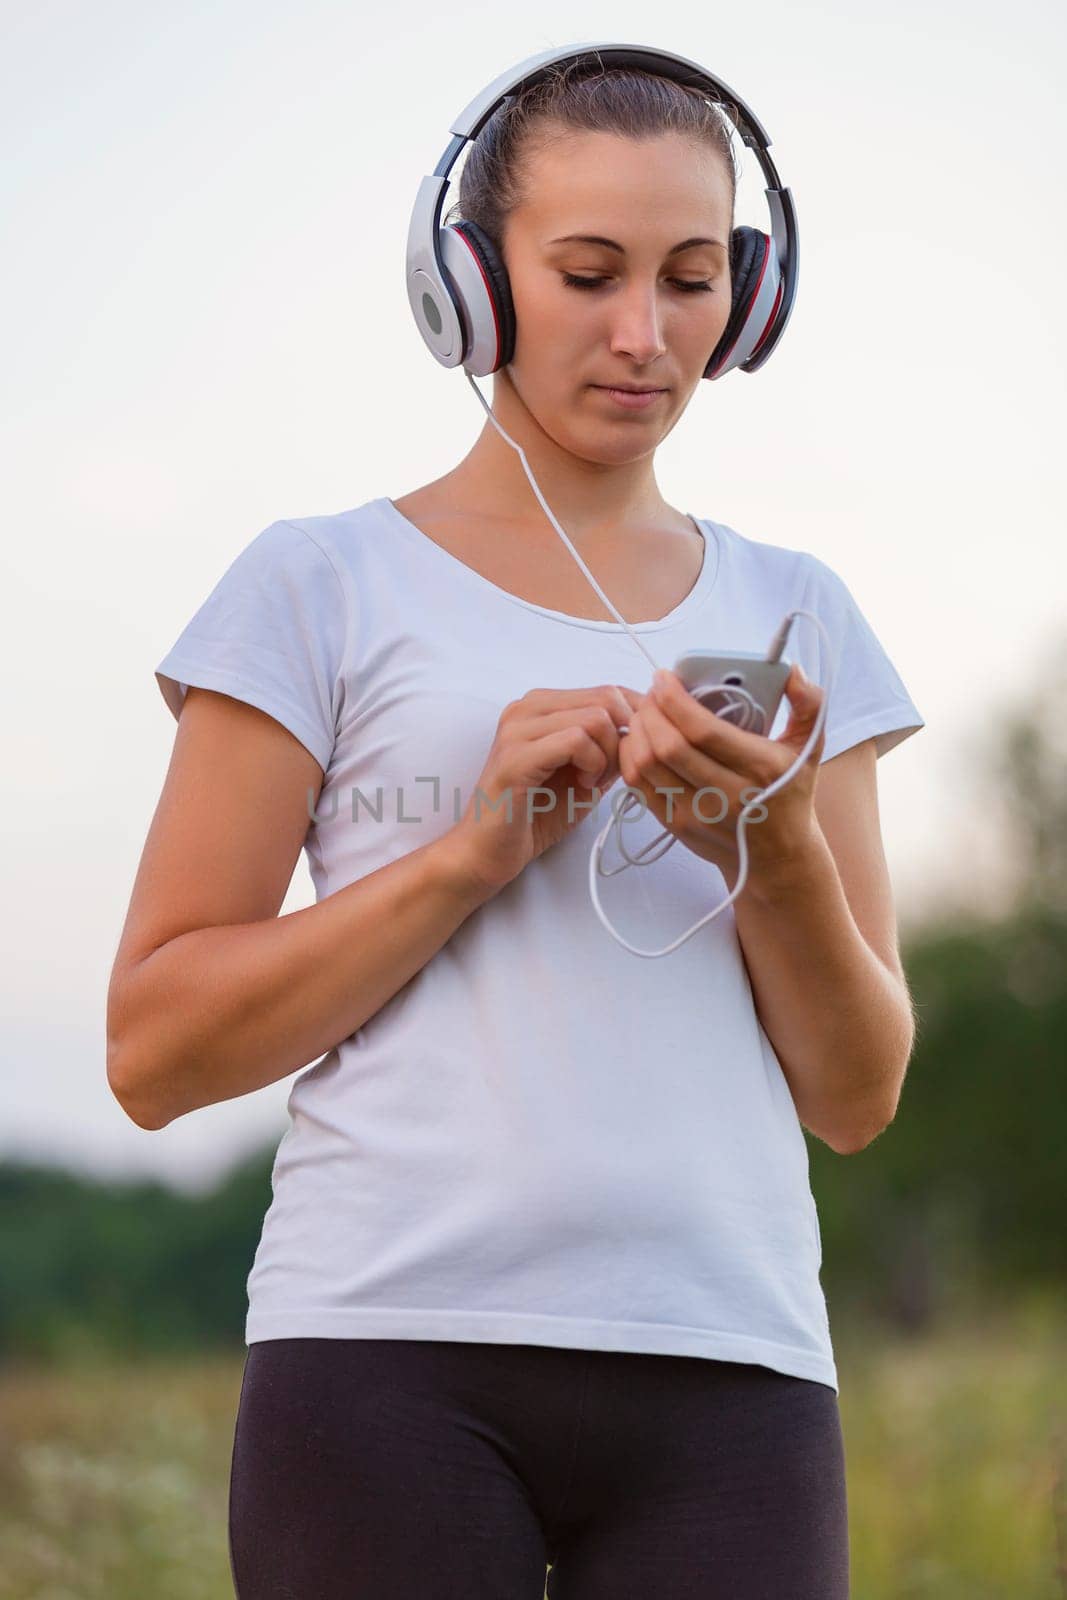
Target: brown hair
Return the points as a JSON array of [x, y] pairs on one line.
[[579, 94]]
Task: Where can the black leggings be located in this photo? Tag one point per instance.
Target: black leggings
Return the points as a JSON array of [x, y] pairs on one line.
[[414, 1469]]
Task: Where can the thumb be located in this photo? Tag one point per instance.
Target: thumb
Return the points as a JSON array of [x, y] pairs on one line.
[[804, 698], [800, 689]]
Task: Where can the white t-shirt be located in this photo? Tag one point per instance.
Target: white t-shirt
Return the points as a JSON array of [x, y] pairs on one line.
[[541, 1138]]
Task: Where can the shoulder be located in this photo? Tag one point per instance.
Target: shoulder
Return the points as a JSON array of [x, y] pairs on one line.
[[336, 532], [766, 564], [355, 543]]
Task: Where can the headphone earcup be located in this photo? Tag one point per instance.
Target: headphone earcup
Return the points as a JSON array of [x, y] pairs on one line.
[[482, 295], [756, 294]]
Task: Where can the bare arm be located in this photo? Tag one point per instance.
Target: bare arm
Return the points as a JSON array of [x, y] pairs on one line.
[[213, 995], [821, 951]]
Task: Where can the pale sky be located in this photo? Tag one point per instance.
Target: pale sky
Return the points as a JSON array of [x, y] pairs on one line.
[[207, 329]]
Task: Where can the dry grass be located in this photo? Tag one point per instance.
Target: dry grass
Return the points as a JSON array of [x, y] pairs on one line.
[[114, 1478]]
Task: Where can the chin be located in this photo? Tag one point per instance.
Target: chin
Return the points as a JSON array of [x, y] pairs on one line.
[[596, 439], [615, 448]]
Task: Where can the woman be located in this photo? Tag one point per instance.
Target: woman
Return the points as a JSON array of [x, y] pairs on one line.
[[539, 1283]]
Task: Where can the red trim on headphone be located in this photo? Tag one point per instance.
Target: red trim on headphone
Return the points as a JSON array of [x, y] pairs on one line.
[[724, 358], [489, 292]]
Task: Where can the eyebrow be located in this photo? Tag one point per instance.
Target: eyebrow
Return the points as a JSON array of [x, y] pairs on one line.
[[610, 244]]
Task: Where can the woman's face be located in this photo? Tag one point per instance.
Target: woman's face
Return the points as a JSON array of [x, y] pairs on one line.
[[656, 313]]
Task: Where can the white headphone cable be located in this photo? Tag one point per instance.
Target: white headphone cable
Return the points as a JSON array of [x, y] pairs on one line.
[[747, 713]]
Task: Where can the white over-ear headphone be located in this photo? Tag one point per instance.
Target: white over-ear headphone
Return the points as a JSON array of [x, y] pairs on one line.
[[456, 279]]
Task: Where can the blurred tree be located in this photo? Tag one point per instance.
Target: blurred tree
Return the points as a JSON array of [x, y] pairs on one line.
[[966, 1191], [1025, 758]]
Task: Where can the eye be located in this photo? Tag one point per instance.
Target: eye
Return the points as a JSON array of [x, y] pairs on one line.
[[594, 283]]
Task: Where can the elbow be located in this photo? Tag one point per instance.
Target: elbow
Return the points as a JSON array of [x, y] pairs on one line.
[[877, 1114], [124, 1086], [126, 1075], [859, 1136], [847, 1135], [853, 1146]]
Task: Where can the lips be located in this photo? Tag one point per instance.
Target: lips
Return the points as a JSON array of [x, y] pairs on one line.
[[629, 400]]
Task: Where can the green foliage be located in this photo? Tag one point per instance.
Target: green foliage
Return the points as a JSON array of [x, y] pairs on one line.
[[963, 1196], [964, 1193], [88, 1267]]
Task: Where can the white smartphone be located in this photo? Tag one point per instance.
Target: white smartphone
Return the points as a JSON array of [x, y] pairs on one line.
[[764, 680]]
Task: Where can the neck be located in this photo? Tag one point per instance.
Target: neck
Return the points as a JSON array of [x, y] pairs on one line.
[[590, 498]]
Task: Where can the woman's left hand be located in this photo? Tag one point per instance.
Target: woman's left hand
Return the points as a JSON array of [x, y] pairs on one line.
[[676, 744]]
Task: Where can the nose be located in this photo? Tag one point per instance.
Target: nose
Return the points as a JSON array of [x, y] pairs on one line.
[[636, 329]]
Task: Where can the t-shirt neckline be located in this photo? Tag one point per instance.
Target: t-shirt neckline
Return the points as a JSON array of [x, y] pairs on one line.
[[695, 598]]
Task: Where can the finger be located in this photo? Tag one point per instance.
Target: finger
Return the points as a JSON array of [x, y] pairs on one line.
[[723, 740], [637, 762], [570, 745], [540, 702], [736, 749], [659, 782], [676, 756], [599, 723], [804, 698], [594, 720], [630, 701]]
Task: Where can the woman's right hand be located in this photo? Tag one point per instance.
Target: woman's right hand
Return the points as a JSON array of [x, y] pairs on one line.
[[565, 741]]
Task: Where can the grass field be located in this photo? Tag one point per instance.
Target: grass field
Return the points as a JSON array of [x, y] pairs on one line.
[[114, 1478]]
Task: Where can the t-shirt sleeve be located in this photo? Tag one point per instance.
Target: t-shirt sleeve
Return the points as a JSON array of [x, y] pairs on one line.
[[868, 697], [271, 633]]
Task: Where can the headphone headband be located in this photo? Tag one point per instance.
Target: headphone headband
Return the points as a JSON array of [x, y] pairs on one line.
[[647, 58], [449, 285]]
